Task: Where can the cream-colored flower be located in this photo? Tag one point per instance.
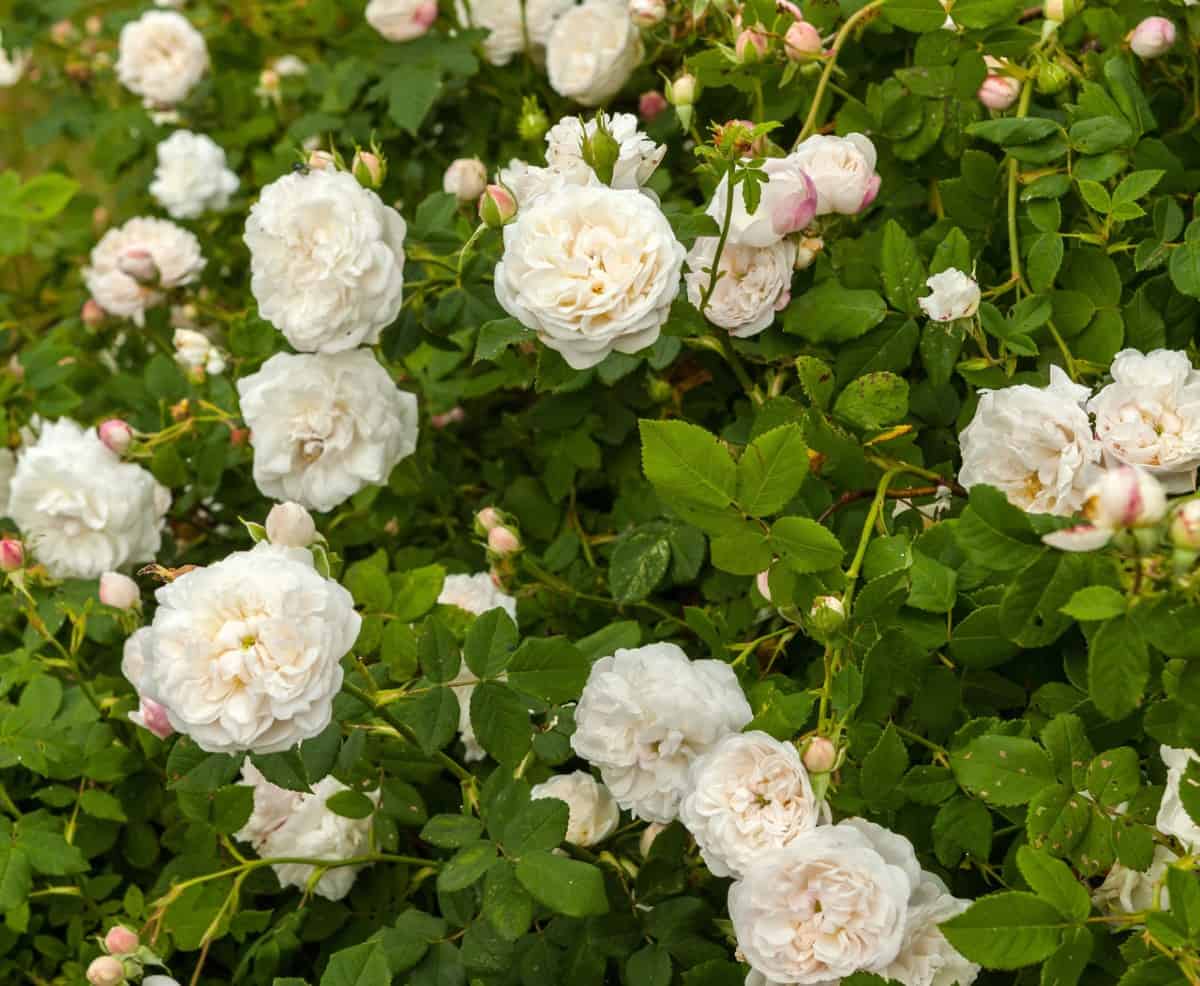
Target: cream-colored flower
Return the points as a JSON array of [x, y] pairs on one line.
[[1173, 818], [1126, 891], [843, 171], [507, 32], [476, 594], [191, 177], [787, 203], [637, 159], [133, 266], [594, 815], [755, 283], [953, 295], [401, 20], [161, 57], [926, 958], [592, 51]]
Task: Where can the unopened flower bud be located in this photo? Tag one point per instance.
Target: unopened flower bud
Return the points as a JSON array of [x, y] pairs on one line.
[[152, 716], [651, 105], [532, 124], [751, 45], [12, 555], [92, 314], [1152, 37], [106, 971], [1126, 496], [115, 434], [649, 834], [451, 417], [647, 13], [368, 168], [121, 941], [763, 583], [61, 32], [820, 755], [801, 40], [600, 150], [119, 591], [497, 207], [827, 614], [738, 135], [1055, 10], [290, 525], [139, 264], [1185, 526], [998, 91], [465, 179], [682, 91], [322, 161], [93, 25], [488, 519], [503, 542], [1052, 78]]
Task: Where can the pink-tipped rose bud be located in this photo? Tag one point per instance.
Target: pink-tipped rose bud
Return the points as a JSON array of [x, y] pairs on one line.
[[649, 834], [503, 542], [119, 591], [139, 264], [121, 941], [497, 207], [828, 613], [763, 582], [489, 519], [1185, 526], [369, 168], [106, 971], [1152, 37], [751, 44], [1126, 496], [116, 435], [465, 179], [92, 314], [820, 755], [802, 40], [647, 13], [651, 105], [683, 90], [451, 417], [290, 525], [12, 555], [999, 91], [322, 161], [61, 32], [152, 717]]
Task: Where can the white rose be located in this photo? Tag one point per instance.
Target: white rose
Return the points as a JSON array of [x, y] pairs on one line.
[[955, 295], [149, 715], [591, 270], [1126, 891], [926, 958], [506, 32], [637, 159], [465, 179], [529, 182], [8, 467], [1173, 819], [594, 815], [1149, 416], [1033, 443], [592, 51], [290, 525], [646, 714], [161, 57], [843, 171], [12, 65], [245, 654], [833, 902], [273, 806], [326, 260], [191, 177], [755, 283], [195, 351], [167, 255], [401, 20], [787, 204], [463, 685], [325, 425], [81, 509], [476, 594], [747, 795]]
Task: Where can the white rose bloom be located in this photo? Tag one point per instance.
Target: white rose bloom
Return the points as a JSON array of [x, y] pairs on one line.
[[591, 270], [273, 806], [787, 204], [1149, 416], [502, 20], [82, 509], [529, 182], [646, 714], [245, 654], [326, 260], [1173, 819], [594, 815], [133, 265], [926, 958], [1033, 443], [955, 295], [401, 20], [833, 902], [161, 57], [755, 283], [592, 51], [1126, 891], [843, 171], [476, 594], [325, 425], [463, 686], [638, 159], [191, 177], [8, 467], [12, 65], [195, 351], [747, 795]]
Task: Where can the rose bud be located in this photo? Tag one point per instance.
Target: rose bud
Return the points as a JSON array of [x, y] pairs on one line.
[[998, 91], [497, 207], [647, 13], [115, 434], [138, 264], [683, 91], [1125, 496], [12, 555], [368, 168], [290, 525], [106, 971], [532, 124], [827, 614], [152, 717], [503, 542], [1152, 37], [1052, 78], [649, 834], [820, 755], [119, 591], [802, 39], [488, 519], [651, 105], [762, 582], [465, 179], [1185, 526], [322, 161], [62, 32], [92, 315], [451, 417], [121, 941], [751, 45]]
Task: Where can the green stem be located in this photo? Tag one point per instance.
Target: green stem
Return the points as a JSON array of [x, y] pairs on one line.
[[462, 255], [739, 369], [715, 272], [1014, 246], [865, 538]]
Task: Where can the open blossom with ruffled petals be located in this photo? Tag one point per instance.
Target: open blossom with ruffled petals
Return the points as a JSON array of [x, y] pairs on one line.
[[646, 714], [506, 33], [1173, 819], [529, 182], [191, 177], [832, 903], [1126, 891], [953, 295], [273, 806], [747, 795], [594, 815], [245, 653], [1033, 443], [755, 283], [842, 170], [476, 594], [161, 57], [637, 160], [133, 265], [1149, 416], [401, 20], [325, 425], [149, 715], [82, 509], [592, 51], [787, 204], [591, 270], [326, 260], [926, 958]]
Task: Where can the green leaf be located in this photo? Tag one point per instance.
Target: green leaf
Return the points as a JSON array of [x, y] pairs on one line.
[[101, 804], [638, 564], [903, 272], [1118, 667], [566, 886], [806, 545], [994, 534], [451, 831], [1030, 610], [412, 89], [830, 312], [550, 668], [1096, 602], [467, 866], [1065, 966], [1013, 131], [771, 470], [919, 16], [1114, 776], [434, 718], [873, 400], [501, 722], [1053, 881], [977, 14], [350, 804], [884, 766], [540, 825], [1099, 134], [979, 641], [359, 965], [688, 463], [1184, 268], [649, 966], [496, 336], [1003, 770], [490, 642], [1006, 930], [16, 876]]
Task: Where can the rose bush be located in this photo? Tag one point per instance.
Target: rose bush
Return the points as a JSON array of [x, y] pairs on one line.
[[644, 492]]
